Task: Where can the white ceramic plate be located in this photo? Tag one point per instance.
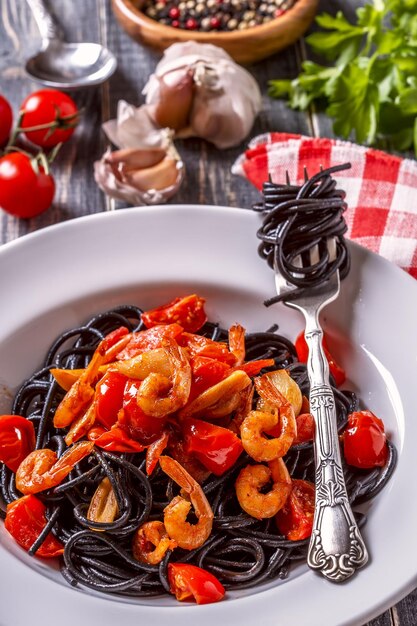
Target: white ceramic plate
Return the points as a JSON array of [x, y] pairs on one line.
[[57, 277]]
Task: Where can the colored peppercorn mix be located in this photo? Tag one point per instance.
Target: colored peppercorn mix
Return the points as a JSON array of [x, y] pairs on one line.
[[215, 15]]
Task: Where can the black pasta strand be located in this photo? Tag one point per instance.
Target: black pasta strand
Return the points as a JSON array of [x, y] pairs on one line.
[[298, 219]]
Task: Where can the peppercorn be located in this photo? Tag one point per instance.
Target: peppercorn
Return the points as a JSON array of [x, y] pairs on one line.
[[216, 15]]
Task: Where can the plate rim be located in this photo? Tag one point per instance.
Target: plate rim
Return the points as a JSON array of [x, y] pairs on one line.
[[48, 231]]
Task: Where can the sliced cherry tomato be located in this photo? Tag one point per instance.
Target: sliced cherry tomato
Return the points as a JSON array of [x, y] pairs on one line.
[[24, 190], [305, 428], [206, 373], [203, 346], [112, 338], [17, 440], [188, 312], [116, 439], [365, 441], [189, 582], [6, 120], [337, 372], [109, 397], [154, 451], [25, 520], [141, 427], [52, 109], [150, 339], [217, 448], [295, 519]]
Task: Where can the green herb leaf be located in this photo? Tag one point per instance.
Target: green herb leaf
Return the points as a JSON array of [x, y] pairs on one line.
[[370, 89]]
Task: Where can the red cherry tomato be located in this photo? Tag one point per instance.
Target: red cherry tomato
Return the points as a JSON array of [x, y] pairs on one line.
[[150, 339], [116, 439], [206, 373], [53, 110], [6, 120], [337, 372], [305, 428], [217, 448], [17, 440], [189, 582], [141, 427], [23, 191], [364, 441], [109, 397], [295, 519], [188, 312], [25, 520]]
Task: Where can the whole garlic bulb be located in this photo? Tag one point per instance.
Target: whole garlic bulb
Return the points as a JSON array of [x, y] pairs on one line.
[[209, 94]]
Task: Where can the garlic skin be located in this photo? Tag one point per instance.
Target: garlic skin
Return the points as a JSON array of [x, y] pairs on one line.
[[146, 169], [226, 97]]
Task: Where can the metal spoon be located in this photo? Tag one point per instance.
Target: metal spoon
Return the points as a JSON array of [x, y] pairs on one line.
[[66, 65]]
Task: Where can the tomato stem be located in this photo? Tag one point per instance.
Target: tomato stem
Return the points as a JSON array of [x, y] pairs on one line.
[[15, 133]]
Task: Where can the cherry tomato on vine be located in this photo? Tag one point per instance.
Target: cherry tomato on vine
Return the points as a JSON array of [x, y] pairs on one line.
[[188, 312], [53, 110], [6, 120], [25, 520], [364, 441], [189, 582], [17, 440], [295, 519], [26, 189]]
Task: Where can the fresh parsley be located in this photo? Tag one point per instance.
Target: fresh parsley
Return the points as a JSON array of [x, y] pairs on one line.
[[370, 89]]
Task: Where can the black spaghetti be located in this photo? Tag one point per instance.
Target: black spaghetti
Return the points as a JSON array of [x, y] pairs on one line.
[[241, 551], [297, 221]]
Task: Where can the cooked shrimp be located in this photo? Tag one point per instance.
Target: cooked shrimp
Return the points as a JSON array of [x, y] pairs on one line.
[[187, 536], [81, 426], [237, 342], [242, 410], [218, 399], [156, 361], [253, 478], [159, 395], [81, 393], [151, 542], [257, 422], [42, 470], [277, 387]]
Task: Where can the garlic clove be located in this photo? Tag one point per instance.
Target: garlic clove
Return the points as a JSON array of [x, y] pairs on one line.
[[135, 158], [176, 93], [162, 175]]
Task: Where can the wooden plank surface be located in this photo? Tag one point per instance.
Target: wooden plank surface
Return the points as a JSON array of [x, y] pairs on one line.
[[208, 180]]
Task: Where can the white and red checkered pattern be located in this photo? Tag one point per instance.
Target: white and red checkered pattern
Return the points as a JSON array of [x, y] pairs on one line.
[[381, 189]]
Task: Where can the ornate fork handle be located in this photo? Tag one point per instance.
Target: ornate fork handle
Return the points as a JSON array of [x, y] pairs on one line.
[[336, 546]]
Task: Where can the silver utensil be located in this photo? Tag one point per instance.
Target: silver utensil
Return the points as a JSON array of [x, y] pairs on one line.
[[336, 547], [66, 65]]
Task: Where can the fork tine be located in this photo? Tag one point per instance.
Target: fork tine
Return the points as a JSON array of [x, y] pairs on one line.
[[331, 246]]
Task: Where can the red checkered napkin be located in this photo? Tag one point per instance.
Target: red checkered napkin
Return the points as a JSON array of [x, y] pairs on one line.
[[381, 189]]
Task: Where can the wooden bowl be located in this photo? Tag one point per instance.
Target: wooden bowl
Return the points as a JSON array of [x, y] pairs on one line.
[[245, 46]]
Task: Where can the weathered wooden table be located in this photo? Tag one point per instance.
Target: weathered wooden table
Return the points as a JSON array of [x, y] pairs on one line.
[[208, 180]]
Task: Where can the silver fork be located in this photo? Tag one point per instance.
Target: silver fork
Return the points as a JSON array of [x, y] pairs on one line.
[[336, 547]]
